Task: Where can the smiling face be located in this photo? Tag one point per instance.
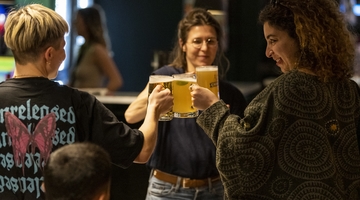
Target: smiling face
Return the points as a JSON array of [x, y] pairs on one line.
[[281, 47], [206, 53]]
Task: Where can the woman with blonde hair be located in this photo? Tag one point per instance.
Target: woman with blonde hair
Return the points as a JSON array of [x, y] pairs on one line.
[[38, 115]]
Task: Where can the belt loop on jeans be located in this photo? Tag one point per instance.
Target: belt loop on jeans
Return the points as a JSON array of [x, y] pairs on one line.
[[184, 182], [210, 184]]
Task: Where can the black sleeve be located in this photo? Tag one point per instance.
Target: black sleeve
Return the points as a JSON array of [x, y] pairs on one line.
[[233, 97], [98, 124]]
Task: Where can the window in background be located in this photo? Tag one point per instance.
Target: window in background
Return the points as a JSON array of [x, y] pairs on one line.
[[7, 62]]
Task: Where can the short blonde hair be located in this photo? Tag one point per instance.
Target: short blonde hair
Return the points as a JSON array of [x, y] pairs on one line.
[[29, 30]]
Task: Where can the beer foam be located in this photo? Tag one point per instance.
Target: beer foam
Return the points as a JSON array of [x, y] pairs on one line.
[[185, 79], [206, 68], [160, 78]]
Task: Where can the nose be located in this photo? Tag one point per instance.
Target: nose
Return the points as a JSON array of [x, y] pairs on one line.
[[204, 45], [269, 53]]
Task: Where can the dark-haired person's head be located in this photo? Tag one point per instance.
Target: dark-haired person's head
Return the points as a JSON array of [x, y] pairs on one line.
[[182, 53], [79, 171]]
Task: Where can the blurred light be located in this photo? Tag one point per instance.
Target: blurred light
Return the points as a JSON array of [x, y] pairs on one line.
[[356, 9], [60, 82], [62, 66], [60, 7], [84, 3], [2, 18], [80, 40]]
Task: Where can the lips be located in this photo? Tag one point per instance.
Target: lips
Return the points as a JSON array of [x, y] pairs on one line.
[[203, 58], [276, 60]]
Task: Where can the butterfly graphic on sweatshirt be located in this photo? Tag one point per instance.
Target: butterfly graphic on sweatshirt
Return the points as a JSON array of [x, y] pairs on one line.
[[22, 139]]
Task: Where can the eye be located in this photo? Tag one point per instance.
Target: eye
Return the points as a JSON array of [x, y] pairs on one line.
[[211, 41], [197, 41], [272, 41]]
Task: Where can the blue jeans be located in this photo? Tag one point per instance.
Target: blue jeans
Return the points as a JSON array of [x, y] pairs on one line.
[[160, 190]]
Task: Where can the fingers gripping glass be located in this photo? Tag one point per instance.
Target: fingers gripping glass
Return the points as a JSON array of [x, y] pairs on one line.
[[197, 42]]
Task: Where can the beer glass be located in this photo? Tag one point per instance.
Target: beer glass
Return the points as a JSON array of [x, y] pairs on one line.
[[207, 76], [182, 99], [166, 82]]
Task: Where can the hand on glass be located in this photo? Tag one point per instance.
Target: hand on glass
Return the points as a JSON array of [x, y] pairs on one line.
[[161, 99], [201, 97]]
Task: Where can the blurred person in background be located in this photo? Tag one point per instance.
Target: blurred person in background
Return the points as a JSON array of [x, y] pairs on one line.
[[94, 67]]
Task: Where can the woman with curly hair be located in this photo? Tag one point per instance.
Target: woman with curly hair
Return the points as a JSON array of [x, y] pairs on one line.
[[298, 138]]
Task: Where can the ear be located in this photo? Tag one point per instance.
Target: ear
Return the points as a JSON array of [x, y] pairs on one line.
[[104, 193], [43, 187], [49, 54], [183, 46], [103, 196]]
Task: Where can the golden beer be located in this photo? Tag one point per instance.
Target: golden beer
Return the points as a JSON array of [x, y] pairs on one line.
[[182, 99], [166, 82], [207, 76]]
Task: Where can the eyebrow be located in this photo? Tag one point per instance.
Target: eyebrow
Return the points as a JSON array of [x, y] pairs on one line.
[[271, 35], [205, 37]]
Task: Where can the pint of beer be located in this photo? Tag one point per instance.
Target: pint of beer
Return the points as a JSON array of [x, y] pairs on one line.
[[207, 76], [166, 82], [182, 99]]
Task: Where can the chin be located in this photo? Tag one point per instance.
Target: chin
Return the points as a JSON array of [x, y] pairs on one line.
[[204, 64]]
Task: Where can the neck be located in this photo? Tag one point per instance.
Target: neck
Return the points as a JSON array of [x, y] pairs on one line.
[[26, 76], [307, 71], [27, 71]]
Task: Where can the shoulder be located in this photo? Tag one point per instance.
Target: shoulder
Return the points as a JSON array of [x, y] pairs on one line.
[[168, 70], [97, 49], [294, 80], [80, 98]]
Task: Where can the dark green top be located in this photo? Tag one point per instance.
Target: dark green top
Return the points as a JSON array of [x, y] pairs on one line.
[[297, 141]]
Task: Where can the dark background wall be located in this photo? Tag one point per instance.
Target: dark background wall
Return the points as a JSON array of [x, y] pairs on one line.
[[138, 28]]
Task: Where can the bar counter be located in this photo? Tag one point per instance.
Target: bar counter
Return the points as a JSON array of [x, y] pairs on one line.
[[125, 98]]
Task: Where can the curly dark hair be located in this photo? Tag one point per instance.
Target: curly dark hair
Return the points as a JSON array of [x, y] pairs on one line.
[[325, 41]]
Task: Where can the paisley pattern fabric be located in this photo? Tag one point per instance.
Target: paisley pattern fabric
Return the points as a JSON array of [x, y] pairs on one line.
[[297, 141]]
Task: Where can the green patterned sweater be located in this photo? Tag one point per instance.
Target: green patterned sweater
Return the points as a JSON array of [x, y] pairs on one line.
[[297, 141]]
